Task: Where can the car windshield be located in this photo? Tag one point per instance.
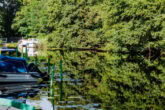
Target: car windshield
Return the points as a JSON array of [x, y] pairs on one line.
[[12, 66]]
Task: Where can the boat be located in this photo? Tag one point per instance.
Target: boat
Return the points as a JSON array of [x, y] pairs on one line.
[[30, 44], [16, 70], [7, 104]]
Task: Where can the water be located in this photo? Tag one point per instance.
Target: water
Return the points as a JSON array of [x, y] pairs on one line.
[[98, 81]]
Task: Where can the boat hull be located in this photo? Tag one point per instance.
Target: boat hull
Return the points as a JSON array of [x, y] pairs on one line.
[[6, 89], [17, 78]]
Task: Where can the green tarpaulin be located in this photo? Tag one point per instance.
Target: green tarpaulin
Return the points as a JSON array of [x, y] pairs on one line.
[[15, 104]]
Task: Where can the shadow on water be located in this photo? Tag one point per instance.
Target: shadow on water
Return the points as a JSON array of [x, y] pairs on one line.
[[80, 69], [66, 93], [96, 80], [18, 89], [111, 80]]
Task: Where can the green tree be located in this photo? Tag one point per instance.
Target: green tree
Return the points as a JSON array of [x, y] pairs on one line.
[[134, 73], [64, 23], [9, 8], [77, 25], [1, 22], [135, 26], [31, 20]]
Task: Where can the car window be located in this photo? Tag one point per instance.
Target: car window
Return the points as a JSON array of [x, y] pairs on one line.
[[12, 66]]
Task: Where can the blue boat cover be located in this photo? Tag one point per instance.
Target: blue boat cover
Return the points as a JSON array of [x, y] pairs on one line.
[[12, 64]]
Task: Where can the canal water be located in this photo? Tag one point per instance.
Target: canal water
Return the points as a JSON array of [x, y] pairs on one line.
[[97, 81], [73, 91]]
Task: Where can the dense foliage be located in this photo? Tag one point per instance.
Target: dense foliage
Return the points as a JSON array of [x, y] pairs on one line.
[[1, 22], [115, 81], [135, 30], [64, 24], [31, 19], [133, 74], [8, 10]]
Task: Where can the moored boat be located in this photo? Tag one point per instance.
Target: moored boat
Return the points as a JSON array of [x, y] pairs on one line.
[[16, 70]]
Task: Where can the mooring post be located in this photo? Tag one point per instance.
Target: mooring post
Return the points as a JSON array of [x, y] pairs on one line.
[[22, 52], [26, 53], [48, 64], [36, 60], [16, 54], [49, 72], [51, 86], [61, 85]]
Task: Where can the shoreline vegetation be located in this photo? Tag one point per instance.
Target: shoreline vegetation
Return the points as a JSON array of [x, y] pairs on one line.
[[131, 75]]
